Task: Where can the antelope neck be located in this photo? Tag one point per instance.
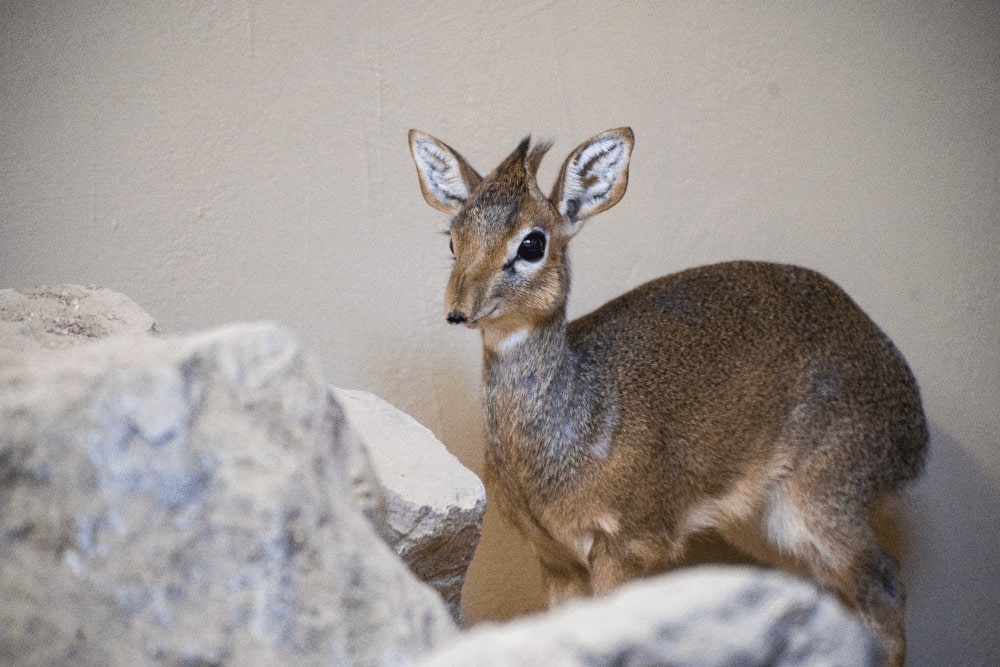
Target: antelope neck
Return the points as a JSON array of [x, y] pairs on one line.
[[542, 404], [530, 358]]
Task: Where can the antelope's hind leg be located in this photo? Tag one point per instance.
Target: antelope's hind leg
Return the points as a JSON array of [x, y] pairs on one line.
[[833, 542]]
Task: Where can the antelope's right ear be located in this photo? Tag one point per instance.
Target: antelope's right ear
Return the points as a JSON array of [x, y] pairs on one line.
[[446, 179]]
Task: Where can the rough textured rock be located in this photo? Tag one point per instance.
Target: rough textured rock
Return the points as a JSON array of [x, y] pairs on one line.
[[706, 617], [61, 316], [65, 315], [435, 504], [188, 501], [434, 526]]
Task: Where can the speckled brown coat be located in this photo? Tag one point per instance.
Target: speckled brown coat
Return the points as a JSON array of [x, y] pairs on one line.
[[750, 398]]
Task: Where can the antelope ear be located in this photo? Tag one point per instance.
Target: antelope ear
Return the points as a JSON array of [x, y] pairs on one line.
[[446, 179], [594, 176]]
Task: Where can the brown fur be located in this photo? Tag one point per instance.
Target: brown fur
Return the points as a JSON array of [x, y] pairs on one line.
[[750, 398]]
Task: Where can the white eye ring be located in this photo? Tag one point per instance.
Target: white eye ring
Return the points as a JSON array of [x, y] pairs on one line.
[[516, 261]]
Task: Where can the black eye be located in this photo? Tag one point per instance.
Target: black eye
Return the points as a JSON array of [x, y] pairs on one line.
[[532, 247], [451, 246]]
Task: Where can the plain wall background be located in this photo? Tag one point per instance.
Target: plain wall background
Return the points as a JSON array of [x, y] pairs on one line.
[[247, 159]]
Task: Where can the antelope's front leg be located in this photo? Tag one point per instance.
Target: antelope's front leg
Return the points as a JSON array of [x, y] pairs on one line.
[[608, 568], [564, 579]]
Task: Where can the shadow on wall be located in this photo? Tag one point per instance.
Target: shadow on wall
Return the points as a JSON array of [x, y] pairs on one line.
[[948, 516], [504, 579], [952, 515]]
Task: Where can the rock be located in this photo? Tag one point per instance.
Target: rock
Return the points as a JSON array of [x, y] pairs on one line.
[[189, 501], [65, 315], [706, 617], [435, 504]]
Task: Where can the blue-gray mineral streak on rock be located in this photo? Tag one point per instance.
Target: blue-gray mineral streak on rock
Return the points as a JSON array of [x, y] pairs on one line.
[[191, 501], [702, 617], [434, 504]]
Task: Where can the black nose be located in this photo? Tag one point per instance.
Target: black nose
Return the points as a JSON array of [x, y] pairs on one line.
[[456, 317]]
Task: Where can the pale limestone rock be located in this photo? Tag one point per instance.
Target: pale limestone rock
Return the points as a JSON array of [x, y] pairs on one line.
[[704, 617], [61, 316], [65, 315], [434, 504], [189, 501]]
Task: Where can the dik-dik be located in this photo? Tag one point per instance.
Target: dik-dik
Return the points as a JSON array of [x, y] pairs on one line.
[[754, 399]]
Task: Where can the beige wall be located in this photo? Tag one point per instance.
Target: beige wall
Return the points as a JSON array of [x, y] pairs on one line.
[[240, 160]]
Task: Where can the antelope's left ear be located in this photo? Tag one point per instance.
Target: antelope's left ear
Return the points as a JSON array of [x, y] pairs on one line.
[[594, 176]]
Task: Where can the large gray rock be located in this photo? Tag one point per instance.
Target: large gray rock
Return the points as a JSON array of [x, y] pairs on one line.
[[65, 315], [189, 501], [704, 617], [434, 504], [61, 316]]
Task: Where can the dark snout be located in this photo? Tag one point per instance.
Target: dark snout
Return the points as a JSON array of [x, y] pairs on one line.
[[456, 317]]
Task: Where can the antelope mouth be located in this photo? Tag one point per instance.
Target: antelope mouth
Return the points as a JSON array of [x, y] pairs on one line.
[[476, 321], [483, 316], [456, 316]]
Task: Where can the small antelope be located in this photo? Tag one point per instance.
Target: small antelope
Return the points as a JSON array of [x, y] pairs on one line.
[[750, 398]]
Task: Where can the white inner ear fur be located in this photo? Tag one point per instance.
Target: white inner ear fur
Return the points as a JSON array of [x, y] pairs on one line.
[[440, 170], [602, 161], [522, 267]]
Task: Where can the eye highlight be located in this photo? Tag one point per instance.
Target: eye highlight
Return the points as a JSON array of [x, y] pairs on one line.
[[532, 247]]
